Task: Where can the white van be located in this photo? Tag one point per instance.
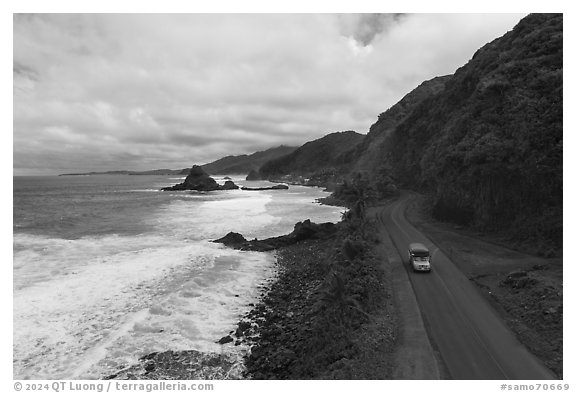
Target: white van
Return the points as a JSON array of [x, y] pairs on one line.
[[419, 257]]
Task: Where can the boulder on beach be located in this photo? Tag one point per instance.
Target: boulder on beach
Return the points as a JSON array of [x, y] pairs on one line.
[[225, 340], [199, 180]]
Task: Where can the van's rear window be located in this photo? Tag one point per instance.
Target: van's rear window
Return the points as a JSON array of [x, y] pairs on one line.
[[420, 253]]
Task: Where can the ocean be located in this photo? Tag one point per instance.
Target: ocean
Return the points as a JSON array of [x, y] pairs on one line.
[[108, 268]]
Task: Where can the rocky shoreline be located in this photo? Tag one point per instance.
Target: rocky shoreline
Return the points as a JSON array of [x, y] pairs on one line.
[[302, 231], [182, 365], [328, 315]]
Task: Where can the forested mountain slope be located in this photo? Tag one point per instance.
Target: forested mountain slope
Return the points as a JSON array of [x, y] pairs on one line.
[[488, 148], [369, 154], [333, 152], [485, 143], [243, 164]]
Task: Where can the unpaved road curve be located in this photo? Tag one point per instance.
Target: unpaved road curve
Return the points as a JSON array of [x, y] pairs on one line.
[[473, 340]]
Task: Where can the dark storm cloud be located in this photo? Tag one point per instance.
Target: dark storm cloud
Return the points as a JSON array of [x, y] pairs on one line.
[[23, 71], [365, 27], [143, 91]]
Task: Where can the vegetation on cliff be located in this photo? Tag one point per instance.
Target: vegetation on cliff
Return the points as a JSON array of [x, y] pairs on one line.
[[332, 152], [485, 143], [488, 148], [372, 152], [243, 164]]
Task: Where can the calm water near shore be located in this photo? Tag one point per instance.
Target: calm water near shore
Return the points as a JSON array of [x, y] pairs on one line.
[[107, 268]]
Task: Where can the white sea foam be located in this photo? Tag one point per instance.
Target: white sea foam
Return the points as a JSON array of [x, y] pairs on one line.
[[214, 218], [111, 309], [85, 308]]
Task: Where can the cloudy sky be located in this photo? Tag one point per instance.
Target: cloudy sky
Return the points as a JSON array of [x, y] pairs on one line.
[[95, 92]]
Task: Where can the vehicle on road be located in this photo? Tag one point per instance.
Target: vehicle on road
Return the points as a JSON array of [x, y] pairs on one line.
[[419, 257]]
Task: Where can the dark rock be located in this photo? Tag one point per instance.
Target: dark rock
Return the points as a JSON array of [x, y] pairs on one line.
[[149, 356], [276, 187], [258, 245], [229, 185], [244, 325], [199, 180], [231, 239], [302, 231], [225, 340], [256, 351], [238, 242]]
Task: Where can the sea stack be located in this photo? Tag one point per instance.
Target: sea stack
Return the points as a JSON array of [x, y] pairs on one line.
[[199, 180]]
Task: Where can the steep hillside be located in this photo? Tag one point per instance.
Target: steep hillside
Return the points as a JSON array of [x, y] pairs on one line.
[[370, 152], [331, 152], [488, 148], [243, 164]]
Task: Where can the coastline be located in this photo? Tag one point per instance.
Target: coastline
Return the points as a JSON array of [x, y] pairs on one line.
[[295, 338], [327, 314], [225, 362]]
